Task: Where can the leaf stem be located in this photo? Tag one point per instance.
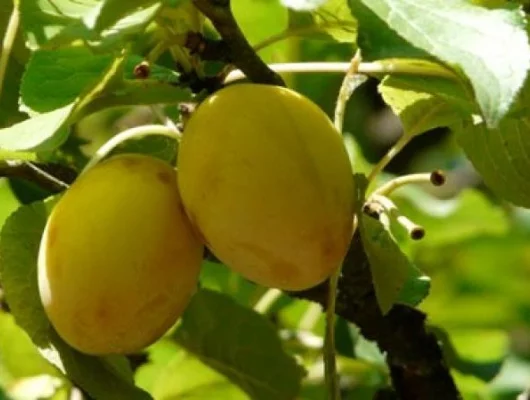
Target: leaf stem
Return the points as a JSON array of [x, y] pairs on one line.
[[392, 152], [7, 44], [387, 188], [136, 132]]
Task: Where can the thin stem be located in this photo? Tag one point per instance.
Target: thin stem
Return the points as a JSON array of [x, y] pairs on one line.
[[46, 176], [267, 300], [389, 66], [7, 44], [161, 115], [414, 230], [330, 362], [136, 132], [349, 84], [383, 162], [387, 188]]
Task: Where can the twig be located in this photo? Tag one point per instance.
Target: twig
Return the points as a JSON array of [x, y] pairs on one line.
[[7, 44], [415, 360], [381, 67], [50, 177], [239, 50]]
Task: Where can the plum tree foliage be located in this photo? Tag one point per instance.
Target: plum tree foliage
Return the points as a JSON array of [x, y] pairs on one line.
[[190, 208]]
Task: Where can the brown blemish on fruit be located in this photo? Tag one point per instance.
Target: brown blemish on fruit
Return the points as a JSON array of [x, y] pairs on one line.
[[129, 162], [164, 177]]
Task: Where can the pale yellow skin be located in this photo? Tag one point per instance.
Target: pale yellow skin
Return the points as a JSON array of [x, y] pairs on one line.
[[118, 260], [266, 180]]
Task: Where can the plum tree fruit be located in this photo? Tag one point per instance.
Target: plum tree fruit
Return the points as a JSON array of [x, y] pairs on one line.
[[267, 183], [118, 261]]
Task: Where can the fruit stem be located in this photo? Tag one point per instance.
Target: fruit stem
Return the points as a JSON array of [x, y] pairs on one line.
[[158, 111], [136, 132], [437, 178], [380, 67], [352, 80], [391, 153], [7, 44], [267, 300], [414, 231]]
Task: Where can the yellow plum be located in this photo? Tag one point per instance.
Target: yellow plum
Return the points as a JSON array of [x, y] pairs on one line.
[[118, 261], [266, 181]]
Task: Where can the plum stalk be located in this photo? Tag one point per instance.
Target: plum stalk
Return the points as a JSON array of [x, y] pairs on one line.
[[136, 132], [7, 44]]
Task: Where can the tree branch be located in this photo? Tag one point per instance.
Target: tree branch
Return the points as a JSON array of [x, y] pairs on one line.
[[51, 177], [240, 52], [415, 360]]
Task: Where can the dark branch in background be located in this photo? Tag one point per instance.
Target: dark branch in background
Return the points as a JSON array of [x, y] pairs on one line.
[[239, 51], [207, 49], [51, 177], [415, 360]]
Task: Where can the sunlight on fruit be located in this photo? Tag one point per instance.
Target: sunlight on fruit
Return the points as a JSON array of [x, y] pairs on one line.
[[265, 178], [118, 261]]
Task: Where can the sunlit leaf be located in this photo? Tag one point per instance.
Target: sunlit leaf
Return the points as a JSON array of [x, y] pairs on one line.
[[223, 335], [496, 71]]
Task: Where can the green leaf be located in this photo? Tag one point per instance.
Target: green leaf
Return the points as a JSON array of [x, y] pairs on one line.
[[43, 132], [272, 19], [108, 12], [176, 374], [19, 358], [389, 266], [418, 111], [416, 288], [47, 19], [58, 23], [55, 78], [333, 19], [8, 200], [377, 40], [501, 156], [102, 377], [476, 352], [496, 71], [19, 246], [48, 131], [224, 335]]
